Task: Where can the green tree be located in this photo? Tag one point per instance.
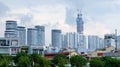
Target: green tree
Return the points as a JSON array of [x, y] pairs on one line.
[[78, 61], [4, 60], [96, 62], [60, 60], [39, 61], [111, 62], [19, 55], [24, 61]]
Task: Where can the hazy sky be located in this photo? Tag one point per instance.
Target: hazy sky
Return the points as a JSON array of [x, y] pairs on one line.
[[100, 16]]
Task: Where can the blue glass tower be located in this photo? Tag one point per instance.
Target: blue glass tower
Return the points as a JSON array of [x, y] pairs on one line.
[[80, 23], [40, 35], [32, 36], [56, 38]]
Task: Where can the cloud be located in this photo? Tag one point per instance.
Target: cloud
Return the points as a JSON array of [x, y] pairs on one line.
[[3, 9], [96, 28]]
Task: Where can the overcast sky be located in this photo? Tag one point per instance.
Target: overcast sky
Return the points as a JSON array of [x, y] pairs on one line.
[[100, 16]]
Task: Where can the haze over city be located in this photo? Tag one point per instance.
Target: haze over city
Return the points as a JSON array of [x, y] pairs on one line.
[[100, 17]]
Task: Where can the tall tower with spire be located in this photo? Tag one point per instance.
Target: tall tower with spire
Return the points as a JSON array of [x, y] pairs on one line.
[[80, 23]]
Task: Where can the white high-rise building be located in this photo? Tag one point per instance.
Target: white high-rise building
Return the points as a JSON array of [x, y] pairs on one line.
[[40, 35], [32, 36], [74, 40], [11, 29], [21, 34], [95, 42], [81, 41], [118, 42]]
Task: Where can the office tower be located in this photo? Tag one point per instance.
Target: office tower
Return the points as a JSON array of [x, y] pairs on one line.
[[81, 43], [56, 38], [40, 35], [94, 42], [21, 33], [11, 27], [80, 23], [109, 40], [32, 36]]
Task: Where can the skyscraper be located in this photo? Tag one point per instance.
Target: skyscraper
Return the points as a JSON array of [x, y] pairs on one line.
[[80, 23], [40, 35], [11, 29], [56, 38], [21, 33], [32, 36]]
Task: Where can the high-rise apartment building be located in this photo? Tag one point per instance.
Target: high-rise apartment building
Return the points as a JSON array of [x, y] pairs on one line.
[[118, 42], [95, 42], [56, 38], [40, 35], [74, 40], [32, 36], [81, 41], [21, 34]]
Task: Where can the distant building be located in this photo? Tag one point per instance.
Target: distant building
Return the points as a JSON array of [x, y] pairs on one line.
[[32, 36], [11, 29], [9, 46], [118, 42], [36, 40], [81, 41], [95, 42], [74, 40], [109, 40], [80, 23], [56, 38], [21, 33], [40, 35]]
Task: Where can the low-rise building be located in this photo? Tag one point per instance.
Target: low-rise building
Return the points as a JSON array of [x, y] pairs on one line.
[[9, 46]]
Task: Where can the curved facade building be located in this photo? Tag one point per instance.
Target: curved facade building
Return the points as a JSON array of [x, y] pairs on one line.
[[11, 29]]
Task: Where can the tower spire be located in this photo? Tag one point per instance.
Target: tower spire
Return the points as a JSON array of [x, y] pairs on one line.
[[79, 13]]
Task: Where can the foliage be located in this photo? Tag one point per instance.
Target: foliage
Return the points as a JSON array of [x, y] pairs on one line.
[[24, 61], [96, 62], [78, 61], [4, 60], [19, 55], [39, 61], [60, 60], [111, 62]]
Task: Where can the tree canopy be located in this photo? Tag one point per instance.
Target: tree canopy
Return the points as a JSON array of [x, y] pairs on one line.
[[60, 60], [78, 61]]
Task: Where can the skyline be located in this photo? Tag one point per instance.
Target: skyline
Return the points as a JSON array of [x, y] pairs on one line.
[[102, 15]]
